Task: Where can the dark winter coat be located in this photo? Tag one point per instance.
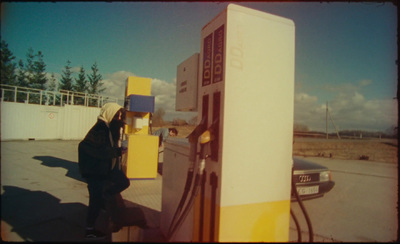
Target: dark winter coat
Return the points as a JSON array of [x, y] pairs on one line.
[[96, 152]]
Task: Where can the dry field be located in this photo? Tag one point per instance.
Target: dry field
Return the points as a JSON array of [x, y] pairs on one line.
[[384, 150]]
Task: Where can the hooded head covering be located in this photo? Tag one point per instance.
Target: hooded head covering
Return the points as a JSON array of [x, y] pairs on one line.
[[108, 112]]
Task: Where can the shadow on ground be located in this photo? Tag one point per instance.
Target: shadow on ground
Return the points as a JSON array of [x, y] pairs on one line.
[[71, 167], [40, 217]]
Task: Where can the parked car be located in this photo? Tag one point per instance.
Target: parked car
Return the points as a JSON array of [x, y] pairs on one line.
[[312, 180]]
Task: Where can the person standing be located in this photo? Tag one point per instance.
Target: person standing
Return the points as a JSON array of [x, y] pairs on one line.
[[99, 153], [164, 133]]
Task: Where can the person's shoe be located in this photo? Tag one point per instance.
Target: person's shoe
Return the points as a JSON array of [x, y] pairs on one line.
[[94, 235]]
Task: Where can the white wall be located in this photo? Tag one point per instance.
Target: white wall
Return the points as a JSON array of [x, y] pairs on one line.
[[21, 121]]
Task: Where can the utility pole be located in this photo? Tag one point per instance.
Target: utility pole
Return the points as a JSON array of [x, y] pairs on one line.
[[333, 123], [326, 120]]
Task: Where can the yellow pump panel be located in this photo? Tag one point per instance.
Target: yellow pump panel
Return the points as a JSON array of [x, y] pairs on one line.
[[142, 156], [138, 85], [137, 123]]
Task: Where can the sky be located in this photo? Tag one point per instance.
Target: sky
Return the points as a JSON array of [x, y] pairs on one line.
[[345, 52]]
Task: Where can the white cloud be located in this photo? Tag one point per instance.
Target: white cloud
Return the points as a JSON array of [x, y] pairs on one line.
[[160, 87], [304, 98], [347, 87], [164, 93], [76, 69], [115, 83], [362, 114], [363, 83], [348, 110]]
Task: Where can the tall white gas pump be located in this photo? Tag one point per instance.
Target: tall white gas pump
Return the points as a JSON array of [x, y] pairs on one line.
[[245, 97]]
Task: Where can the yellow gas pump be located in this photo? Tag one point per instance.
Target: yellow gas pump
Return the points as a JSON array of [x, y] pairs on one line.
[[245, 93], [142, 149]]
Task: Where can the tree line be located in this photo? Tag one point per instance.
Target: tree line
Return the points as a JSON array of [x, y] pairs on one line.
[[31, 73], [390, 132]]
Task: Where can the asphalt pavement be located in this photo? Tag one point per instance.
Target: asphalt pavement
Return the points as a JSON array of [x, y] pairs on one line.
[[44, 198]]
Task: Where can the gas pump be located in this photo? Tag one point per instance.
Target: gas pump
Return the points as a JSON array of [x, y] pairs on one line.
[[244, 86], [141, 159]]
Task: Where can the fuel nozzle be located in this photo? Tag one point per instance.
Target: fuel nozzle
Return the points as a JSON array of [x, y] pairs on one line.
[[193, 139], [205, 137]]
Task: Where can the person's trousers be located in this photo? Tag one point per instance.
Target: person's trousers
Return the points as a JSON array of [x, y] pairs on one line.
[[119, 182], [95, 188]]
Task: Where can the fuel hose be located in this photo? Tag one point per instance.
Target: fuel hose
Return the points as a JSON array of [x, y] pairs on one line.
[[175, 224], [186, 190], [188, 207], [297, 225], [205, 138], [310, 229]]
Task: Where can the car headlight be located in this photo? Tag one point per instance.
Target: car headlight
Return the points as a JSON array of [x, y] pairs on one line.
[[325, 176]]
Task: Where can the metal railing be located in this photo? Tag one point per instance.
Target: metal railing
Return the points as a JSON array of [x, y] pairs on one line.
[[55, 98]]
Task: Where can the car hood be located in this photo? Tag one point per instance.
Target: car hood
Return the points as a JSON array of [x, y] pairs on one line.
[[302, 164]]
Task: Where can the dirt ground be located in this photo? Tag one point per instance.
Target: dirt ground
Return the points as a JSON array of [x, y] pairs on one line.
[[379, 150]]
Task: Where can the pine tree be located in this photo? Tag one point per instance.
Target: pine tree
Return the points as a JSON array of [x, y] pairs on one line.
[[66, 78], [39, 72], [81, 82], [66, 81], [34, 71], [22, 81], [81, 86], [21, 76], [95, 84], [7, 65], [52, 86], [31, 75], [52, 83], [29, 67]]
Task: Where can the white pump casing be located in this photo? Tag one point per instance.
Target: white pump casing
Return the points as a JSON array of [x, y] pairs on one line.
[[246, 80]]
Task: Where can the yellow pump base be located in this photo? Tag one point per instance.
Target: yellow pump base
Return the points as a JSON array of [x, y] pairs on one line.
[[142, 157], [256, 222], [261, 222]]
